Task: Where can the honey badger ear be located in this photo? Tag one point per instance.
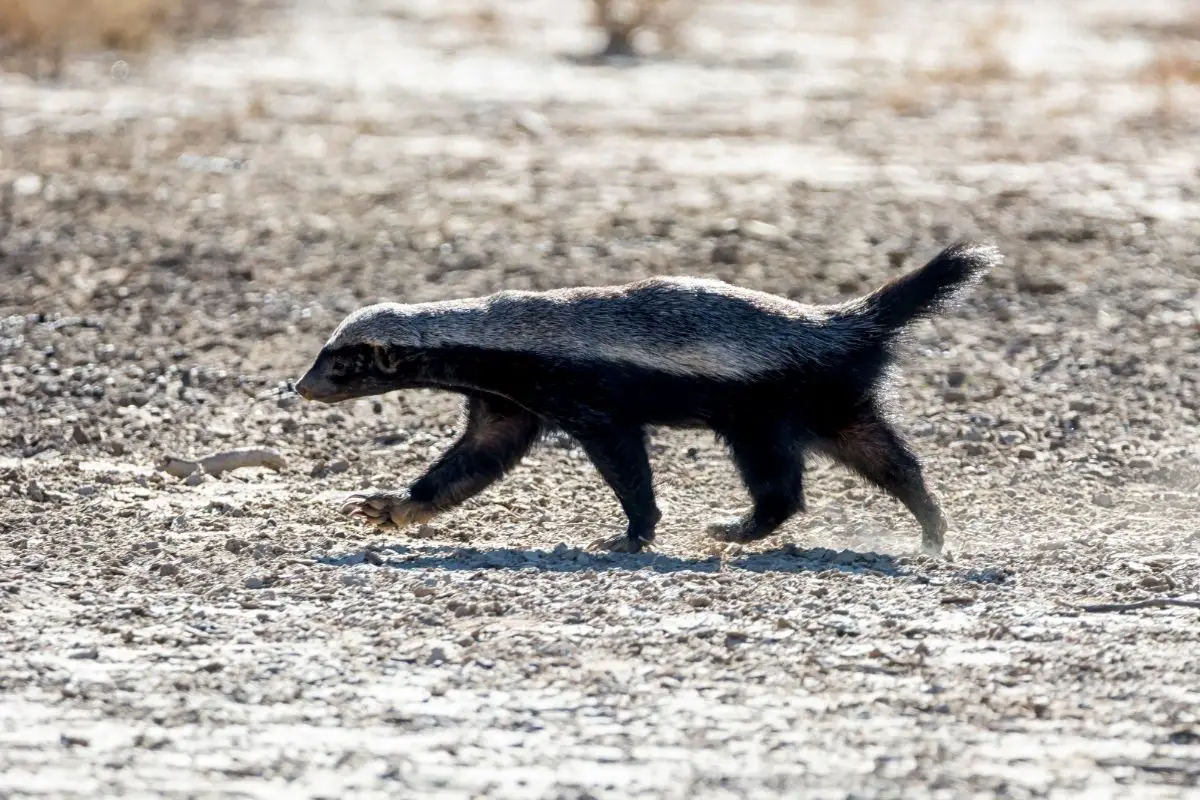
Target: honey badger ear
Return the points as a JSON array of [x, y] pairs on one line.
[[385, 360]]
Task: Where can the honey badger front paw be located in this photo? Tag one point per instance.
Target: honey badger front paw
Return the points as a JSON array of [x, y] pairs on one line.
[[388, 510]]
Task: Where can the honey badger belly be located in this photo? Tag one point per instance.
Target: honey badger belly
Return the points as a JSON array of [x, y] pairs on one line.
[[773, 378]]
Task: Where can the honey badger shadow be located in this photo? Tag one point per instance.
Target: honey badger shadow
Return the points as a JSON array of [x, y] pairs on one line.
[[774, 379]]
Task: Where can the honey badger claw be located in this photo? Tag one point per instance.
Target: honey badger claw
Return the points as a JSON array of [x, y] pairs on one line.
[[387, 509], [775, 379]]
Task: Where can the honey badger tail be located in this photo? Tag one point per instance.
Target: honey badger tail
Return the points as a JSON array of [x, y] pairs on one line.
[[926, 291]]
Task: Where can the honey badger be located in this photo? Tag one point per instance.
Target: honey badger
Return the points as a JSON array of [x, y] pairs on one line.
[[774, 379]]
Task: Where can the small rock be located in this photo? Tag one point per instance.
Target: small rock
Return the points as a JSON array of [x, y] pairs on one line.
[[213, 666], [954, 396], [235, 545], [424, 591], [80, 436], [86, 653], [845, 557], [956, 378], [167, 569], [1103, 500], [335, 467], [1141, 463], [726, 253], [195, 479], [427, 531], [1026, 453], [534, 124], [1157, 581], [27, 185], [443, 653], [373, 558], [254, 582], [699, 601], [87, 490], [1082, 405], [72, 740], [1007, 438], [734, 638], [763, 231]]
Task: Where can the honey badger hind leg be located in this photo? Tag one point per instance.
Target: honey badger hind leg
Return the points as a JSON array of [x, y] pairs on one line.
[[870, 446], [498, 433], [619, 454]]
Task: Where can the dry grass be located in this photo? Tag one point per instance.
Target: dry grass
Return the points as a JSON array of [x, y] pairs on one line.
[[982, 59], [623, 21], [1174, 63], [979, 62], [41, 34]]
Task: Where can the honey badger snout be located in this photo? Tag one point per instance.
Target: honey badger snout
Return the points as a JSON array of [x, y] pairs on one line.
[[315, 385], [306, 387]]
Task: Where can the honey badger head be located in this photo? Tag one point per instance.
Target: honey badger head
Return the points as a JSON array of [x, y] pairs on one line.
[[371, 352]]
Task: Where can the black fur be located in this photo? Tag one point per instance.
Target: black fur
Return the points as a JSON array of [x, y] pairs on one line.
[[828, 405]]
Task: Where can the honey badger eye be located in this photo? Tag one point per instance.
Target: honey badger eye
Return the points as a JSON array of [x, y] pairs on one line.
[[341, 365]]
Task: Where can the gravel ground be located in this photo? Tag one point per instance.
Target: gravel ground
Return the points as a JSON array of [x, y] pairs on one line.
[[178, 237]]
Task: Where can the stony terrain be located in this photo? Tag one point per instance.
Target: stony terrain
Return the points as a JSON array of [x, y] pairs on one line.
[[179, 234]]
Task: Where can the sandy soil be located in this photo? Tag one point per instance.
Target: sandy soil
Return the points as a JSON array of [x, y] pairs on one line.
[[178, 236]]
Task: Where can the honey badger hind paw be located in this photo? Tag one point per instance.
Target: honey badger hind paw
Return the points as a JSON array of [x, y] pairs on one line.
[[387, 509], [619, 544], [735, 529]]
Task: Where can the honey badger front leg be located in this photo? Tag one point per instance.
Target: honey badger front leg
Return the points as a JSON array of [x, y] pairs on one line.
[[497, 435]]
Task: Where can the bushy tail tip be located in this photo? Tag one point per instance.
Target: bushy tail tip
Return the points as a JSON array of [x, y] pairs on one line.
[[930, 289]]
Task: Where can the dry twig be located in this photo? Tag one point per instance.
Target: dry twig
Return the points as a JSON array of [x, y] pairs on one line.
[[225, 461], [1156, 602]]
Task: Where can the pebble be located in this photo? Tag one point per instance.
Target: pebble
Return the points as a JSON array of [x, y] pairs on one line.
[[84, 654], [167, 569], [87, 490], [1026, 453], [954, 396], [534, 124], [443, 653], [235, 545], [254, 582], [726, 253], [1010, 437], [427, 531], [335, 467], [1103, 500], [763, 231]]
